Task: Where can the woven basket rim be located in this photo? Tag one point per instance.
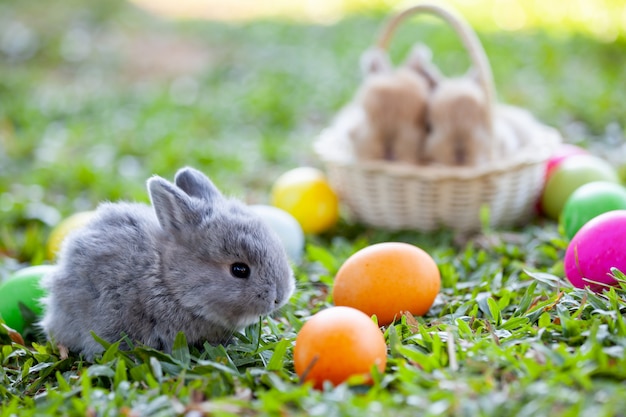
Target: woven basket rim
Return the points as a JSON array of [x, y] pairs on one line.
[[531, 154]]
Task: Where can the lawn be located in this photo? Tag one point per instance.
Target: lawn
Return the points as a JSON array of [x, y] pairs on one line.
[[95, 98]]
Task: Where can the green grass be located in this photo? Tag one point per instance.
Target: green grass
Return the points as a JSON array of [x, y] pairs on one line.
[[507, 335]]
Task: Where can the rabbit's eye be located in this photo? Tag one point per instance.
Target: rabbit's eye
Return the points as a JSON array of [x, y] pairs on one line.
[[240, 270]]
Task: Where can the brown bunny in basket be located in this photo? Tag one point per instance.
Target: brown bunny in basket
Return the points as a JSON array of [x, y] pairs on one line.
[[393, 107], [461, 129], [459, 121], [460, 125]]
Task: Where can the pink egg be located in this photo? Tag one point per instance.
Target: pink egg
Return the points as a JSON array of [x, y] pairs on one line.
[[563, 152], [596, 248]]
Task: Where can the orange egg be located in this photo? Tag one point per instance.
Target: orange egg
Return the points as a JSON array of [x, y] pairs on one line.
[[339, 343], [387, 279]]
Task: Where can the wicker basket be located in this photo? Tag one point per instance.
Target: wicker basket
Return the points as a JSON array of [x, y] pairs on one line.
[[402, 196]]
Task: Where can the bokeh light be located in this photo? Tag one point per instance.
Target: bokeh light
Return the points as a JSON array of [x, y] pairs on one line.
[[603, 19]]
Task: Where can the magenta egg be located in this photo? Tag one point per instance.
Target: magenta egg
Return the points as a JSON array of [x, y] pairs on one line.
[[596, 248]]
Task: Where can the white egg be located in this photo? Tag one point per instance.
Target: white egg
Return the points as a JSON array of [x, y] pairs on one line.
[[285, 226]]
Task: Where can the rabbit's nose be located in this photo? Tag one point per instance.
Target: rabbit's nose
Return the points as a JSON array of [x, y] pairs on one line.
[[283, 294], [279, 297]]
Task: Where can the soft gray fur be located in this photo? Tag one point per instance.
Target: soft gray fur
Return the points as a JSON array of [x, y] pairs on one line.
[[149, 273]]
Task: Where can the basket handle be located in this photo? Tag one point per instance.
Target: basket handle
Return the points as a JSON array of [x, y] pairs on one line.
[[466, 34]]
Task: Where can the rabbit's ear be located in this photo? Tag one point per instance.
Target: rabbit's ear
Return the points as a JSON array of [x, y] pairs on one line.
[[174, 209], [375, 61], [420, 59], [196, 184]]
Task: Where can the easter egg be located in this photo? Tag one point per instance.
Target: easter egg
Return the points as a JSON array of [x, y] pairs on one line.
[[336, 344], [562, 152], [22, 287], [61, 230], [597, 247], [387, 279], [285, 226], [571, 174], [305, 193], [589, 201]]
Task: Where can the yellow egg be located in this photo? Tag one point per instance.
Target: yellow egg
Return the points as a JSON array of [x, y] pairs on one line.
[[305, 193], [62, 229]]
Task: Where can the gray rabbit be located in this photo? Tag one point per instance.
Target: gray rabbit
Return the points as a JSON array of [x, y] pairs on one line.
[[195, 262]]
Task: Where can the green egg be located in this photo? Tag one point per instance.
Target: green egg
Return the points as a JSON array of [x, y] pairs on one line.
[[589, 201], [572, 173], [22, 287]]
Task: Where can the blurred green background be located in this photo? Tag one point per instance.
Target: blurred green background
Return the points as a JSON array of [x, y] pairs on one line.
[[97, 96]]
